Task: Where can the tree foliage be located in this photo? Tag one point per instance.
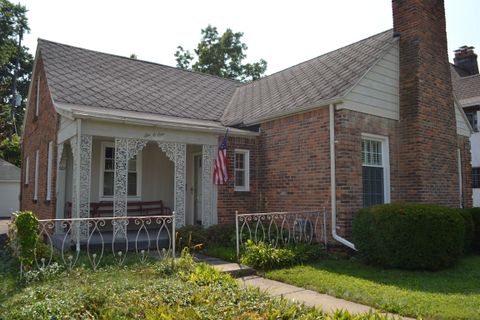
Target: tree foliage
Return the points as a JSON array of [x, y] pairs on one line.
[[220, 55], [13, 23]]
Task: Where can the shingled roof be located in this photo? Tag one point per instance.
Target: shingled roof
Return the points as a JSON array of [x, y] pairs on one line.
[[309, 83], [88, 78], [8, 171], [466, 89]]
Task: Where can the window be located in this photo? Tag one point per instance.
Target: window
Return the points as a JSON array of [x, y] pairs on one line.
[[476, 177], [375, 170], [242, 170], [37, 98], [35, 191], [472, 116], [27, 170], [49, 171], [108, 173]]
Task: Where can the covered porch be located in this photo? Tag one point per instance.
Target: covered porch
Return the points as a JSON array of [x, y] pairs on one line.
[[111, 169]]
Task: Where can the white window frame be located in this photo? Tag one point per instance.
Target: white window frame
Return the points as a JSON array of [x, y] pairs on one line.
[[102, 197], [385, 162], [37, 98], [27, 170], [48, 196], [37, 161], [246, 154]]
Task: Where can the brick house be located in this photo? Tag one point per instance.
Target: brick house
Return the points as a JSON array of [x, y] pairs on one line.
[[357, 120], [466, 86]]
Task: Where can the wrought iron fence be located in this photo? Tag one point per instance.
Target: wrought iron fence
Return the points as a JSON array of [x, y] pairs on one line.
[[281, 228], [66, 240]]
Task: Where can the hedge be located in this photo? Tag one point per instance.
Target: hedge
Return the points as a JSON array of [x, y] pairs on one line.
[[409, 236], [475, 213]]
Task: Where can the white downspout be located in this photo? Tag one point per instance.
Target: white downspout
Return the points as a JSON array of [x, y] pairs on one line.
[[333, 185]]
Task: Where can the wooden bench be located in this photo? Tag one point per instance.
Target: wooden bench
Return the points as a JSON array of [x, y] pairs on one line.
[[134, 208]]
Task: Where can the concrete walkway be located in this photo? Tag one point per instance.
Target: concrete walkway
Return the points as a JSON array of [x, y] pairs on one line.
[[247, 278]]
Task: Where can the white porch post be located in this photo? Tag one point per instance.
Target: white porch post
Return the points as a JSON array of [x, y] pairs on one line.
[[176, 152], [82, 155], [125, 149], [209, 206]]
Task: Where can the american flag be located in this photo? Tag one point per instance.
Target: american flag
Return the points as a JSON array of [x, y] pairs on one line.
[[220, 172]]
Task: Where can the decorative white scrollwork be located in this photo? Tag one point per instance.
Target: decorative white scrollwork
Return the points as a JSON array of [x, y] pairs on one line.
[[176, 152], [282, 228], [125, 149], [208, 189], [151, 235]]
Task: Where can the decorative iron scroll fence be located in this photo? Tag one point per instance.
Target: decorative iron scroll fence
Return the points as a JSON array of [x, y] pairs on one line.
[[67, 240], [281, 228]]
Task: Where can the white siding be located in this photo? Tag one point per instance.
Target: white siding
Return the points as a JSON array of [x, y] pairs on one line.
[[377, 92], [68, 128], [9, 198], [462, 124]]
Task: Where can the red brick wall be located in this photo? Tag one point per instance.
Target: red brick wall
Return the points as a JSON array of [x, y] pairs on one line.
[[428, 139], [244, 201], [39, 131], [349, 126], [294, 162], [466, 157]]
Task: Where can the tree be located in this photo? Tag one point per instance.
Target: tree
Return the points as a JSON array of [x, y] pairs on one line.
[[13, 24], [221, 56]]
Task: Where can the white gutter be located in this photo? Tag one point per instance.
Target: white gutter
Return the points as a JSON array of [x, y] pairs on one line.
[[333, 184]]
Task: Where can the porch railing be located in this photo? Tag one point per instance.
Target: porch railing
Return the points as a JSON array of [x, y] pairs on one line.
[[281, 228], [141, 236]]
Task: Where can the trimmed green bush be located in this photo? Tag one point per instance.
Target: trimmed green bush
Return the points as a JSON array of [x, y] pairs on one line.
[[221, 234], [469, 229], [475, 213], [23, 237], [409, 236]]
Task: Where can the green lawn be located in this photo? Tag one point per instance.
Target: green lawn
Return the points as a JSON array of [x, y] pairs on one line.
[[447, 294], [153, 290]]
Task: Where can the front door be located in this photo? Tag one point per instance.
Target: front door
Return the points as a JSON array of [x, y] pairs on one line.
[[197, 189]]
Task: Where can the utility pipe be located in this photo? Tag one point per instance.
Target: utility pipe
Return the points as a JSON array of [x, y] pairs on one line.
[[333, 185]]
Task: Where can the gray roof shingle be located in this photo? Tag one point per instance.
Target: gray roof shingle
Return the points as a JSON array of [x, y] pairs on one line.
[[8, 171], [466, 89], [317, 80], [90, 78]]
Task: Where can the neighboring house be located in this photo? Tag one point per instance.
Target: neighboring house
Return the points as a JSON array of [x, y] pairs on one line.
[[374, 121], [9, 188], [466, 86]]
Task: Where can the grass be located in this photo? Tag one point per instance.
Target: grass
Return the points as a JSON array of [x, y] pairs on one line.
[[154, 290], [226, 253], [448, 294]]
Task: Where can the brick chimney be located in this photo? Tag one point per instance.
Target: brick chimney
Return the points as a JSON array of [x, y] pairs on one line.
[[466, 59], [428, 140]]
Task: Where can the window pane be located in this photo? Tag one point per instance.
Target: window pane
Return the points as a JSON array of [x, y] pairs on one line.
[[239, 178], [371, 152], [108, 164], [108, 183], [476, 177], [132, 165], [373, 186], [132, 184], [239, 160], [109, 153]]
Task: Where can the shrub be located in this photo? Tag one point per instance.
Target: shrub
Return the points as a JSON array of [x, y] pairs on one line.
[[306, 252], [193, 237], [264, 256], [409, 236], [221, 234], [475, 213], [469, 229], [23, 237]]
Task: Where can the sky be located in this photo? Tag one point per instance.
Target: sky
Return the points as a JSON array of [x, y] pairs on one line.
[[283, 33]]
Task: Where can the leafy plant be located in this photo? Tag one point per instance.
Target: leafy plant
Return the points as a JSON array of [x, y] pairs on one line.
[[264, 256], [475, 213], [221, 234], [192, 237], [469, 229], [23, 237]]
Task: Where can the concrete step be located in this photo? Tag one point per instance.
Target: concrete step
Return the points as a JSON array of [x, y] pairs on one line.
[[236, 270]]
